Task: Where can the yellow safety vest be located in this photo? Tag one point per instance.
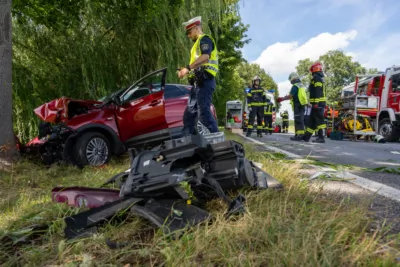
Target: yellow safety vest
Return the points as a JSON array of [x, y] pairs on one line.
[[301, 94], [212, 65]]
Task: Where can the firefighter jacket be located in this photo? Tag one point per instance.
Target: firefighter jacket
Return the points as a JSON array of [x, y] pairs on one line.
[[317, 90], [285, 116], [269, 108], [256, 97], [299, 95]]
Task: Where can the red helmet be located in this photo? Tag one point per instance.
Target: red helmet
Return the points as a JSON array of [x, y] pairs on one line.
[[316, 67]]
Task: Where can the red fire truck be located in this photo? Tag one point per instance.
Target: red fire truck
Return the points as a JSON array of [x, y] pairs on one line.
[[383, 106]]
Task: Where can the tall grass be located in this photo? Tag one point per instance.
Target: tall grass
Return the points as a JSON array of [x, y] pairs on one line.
[[293, 227]]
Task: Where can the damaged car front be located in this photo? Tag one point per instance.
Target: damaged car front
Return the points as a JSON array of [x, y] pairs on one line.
[[58, 126]]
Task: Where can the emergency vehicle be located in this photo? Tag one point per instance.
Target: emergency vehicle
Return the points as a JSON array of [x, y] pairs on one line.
[[383, 101]]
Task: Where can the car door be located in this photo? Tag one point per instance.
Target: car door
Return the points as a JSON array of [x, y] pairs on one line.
[[394, 94], [141, 112], [176, 99]]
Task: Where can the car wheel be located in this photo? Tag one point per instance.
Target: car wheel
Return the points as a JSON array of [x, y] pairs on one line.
[[387, 130], [92, 149], [203, 130]]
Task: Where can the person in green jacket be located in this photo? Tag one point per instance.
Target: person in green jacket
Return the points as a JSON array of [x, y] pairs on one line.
[[298, 100]]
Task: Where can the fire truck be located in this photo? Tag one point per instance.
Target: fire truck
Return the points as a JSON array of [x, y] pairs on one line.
[[383, 102]]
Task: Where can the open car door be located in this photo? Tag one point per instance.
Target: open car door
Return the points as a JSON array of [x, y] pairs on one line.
[[141, 112]]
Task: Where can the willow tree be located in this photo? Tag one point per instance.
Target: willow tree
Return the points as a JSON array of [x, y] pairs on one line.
[[88, 48]]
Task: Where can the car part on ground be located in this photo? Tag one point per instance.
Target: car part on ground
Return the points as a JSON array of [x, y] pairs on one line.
[[167, 186]]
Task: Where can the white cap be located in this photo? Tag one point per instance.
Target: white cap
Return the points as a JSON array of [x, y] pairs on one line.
[[192, 23]]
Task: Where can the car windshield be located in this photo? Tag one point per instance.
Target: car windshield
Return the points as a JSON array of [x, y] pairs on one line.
[[108, 97]]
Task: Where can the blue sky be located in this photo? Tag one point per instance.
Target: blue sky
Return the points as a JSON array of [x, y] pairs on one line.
[[285, 31]]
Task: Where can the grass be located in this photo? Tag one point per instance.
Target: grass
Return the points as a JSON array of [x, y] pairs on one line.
[[293, 227]]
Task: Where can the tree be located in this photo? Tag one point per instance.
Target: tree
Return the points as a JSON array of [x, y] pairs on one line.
[[340, 70], [7, 140], [86, 49]]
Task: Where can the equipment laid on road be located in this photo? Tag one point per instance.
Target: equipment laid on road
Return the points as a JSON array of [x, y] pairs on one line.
[[350, 122], [167, 186], [234, 114]]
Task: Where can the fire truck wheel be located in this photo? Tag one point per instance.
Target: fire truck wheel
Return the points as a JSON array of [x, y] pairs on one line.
[[387, 130]]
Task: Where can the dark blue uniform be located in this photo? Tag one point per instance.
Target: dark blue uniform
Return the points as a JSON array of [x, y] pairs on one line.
[[201, 98]]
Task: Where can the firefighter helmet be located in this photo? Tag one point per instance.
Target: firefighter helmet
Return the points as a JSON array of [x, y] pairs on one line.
[[316, 67], [293, 76], [257, 78]]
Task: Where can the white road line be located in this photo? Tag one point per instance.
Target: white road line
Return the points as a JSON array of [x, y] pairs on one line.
[[375, 187], [275, 149]]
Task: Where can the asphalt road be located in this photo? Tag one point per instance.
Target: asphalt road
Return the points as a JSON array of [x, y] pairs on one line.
[[370, 155], [359, 153]]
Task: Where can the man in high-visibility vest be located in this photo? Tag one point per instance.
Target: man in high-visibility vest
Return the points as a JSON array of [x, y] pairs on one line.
[[316, 122], [298, 100], [285, 121], [256, 99], [201, 71], [268, 110]]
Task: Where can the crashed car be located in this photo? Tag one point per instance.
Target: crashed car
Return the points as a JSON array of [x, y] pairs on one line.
[[85, 132]]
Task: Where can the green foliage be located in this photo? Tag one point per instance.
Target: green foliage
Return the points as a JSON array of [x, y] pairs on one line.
[[86, 49], [340, 71]]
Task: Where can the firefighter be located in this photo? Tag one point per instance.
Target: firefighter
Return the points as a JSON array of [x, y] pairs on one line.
[[256, 98], [268, 110], [201, 71], [318, 101], [285, 121], [298, 100]]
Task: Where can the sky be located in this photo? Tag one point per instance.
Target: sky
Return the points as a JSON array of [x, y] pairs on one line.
[[284, 31]]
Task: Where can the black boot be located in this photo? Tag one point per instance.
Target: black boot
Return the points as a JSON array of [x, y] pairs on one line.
[[248, 134], [297, 137], [321, 138], [259, 133], [307, 137], [270, 132]]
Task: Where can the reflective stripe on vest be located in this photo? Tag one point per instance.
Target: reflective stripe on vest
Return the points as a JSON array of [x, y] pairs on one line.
[[212, 65]]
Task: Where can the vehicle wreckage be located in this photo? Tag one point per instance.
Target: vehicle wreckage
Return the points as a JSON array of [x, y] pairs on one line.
[[167, 186], [88, 132]]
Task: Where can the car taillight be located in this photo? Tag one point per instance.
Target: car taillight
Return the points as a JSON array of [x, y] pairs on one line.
[[61, 199]]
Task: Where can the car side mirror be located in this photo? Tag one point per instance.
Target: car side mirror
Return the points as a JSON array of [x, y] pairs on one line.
[[116, 100]]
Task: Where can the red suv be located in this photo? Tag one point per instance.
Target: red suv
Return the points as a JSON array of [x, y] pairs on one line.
[[89, 132]]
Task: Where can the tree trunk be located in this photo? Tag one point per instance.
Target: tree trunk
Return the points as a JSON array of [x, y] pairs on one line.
[[7, 139]]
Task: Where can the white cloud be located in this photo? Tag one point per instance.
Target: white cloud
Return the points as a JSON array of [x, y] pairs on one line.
[[281, 58], [383, 55]]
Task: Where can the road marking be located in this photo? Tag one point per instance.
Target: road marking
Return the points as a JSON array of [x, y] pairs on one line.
[[375, 187], [275, 149]]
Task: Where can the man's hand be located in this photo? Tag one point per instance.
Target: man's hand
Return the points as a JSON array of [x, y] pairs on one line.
[[279, 99], [183, 72]]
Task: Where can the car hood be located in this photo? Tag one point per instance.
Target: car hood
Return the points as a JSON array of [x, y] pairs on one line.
[[58, 110]]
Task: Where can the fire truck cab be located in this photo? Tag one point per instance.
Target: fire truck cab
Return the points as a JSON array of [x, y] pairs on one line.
[[385, 87]]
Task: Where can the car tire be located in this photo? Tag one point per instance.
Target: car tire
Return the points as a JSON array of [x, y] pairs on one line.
[[387, 130], [92, 149]]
